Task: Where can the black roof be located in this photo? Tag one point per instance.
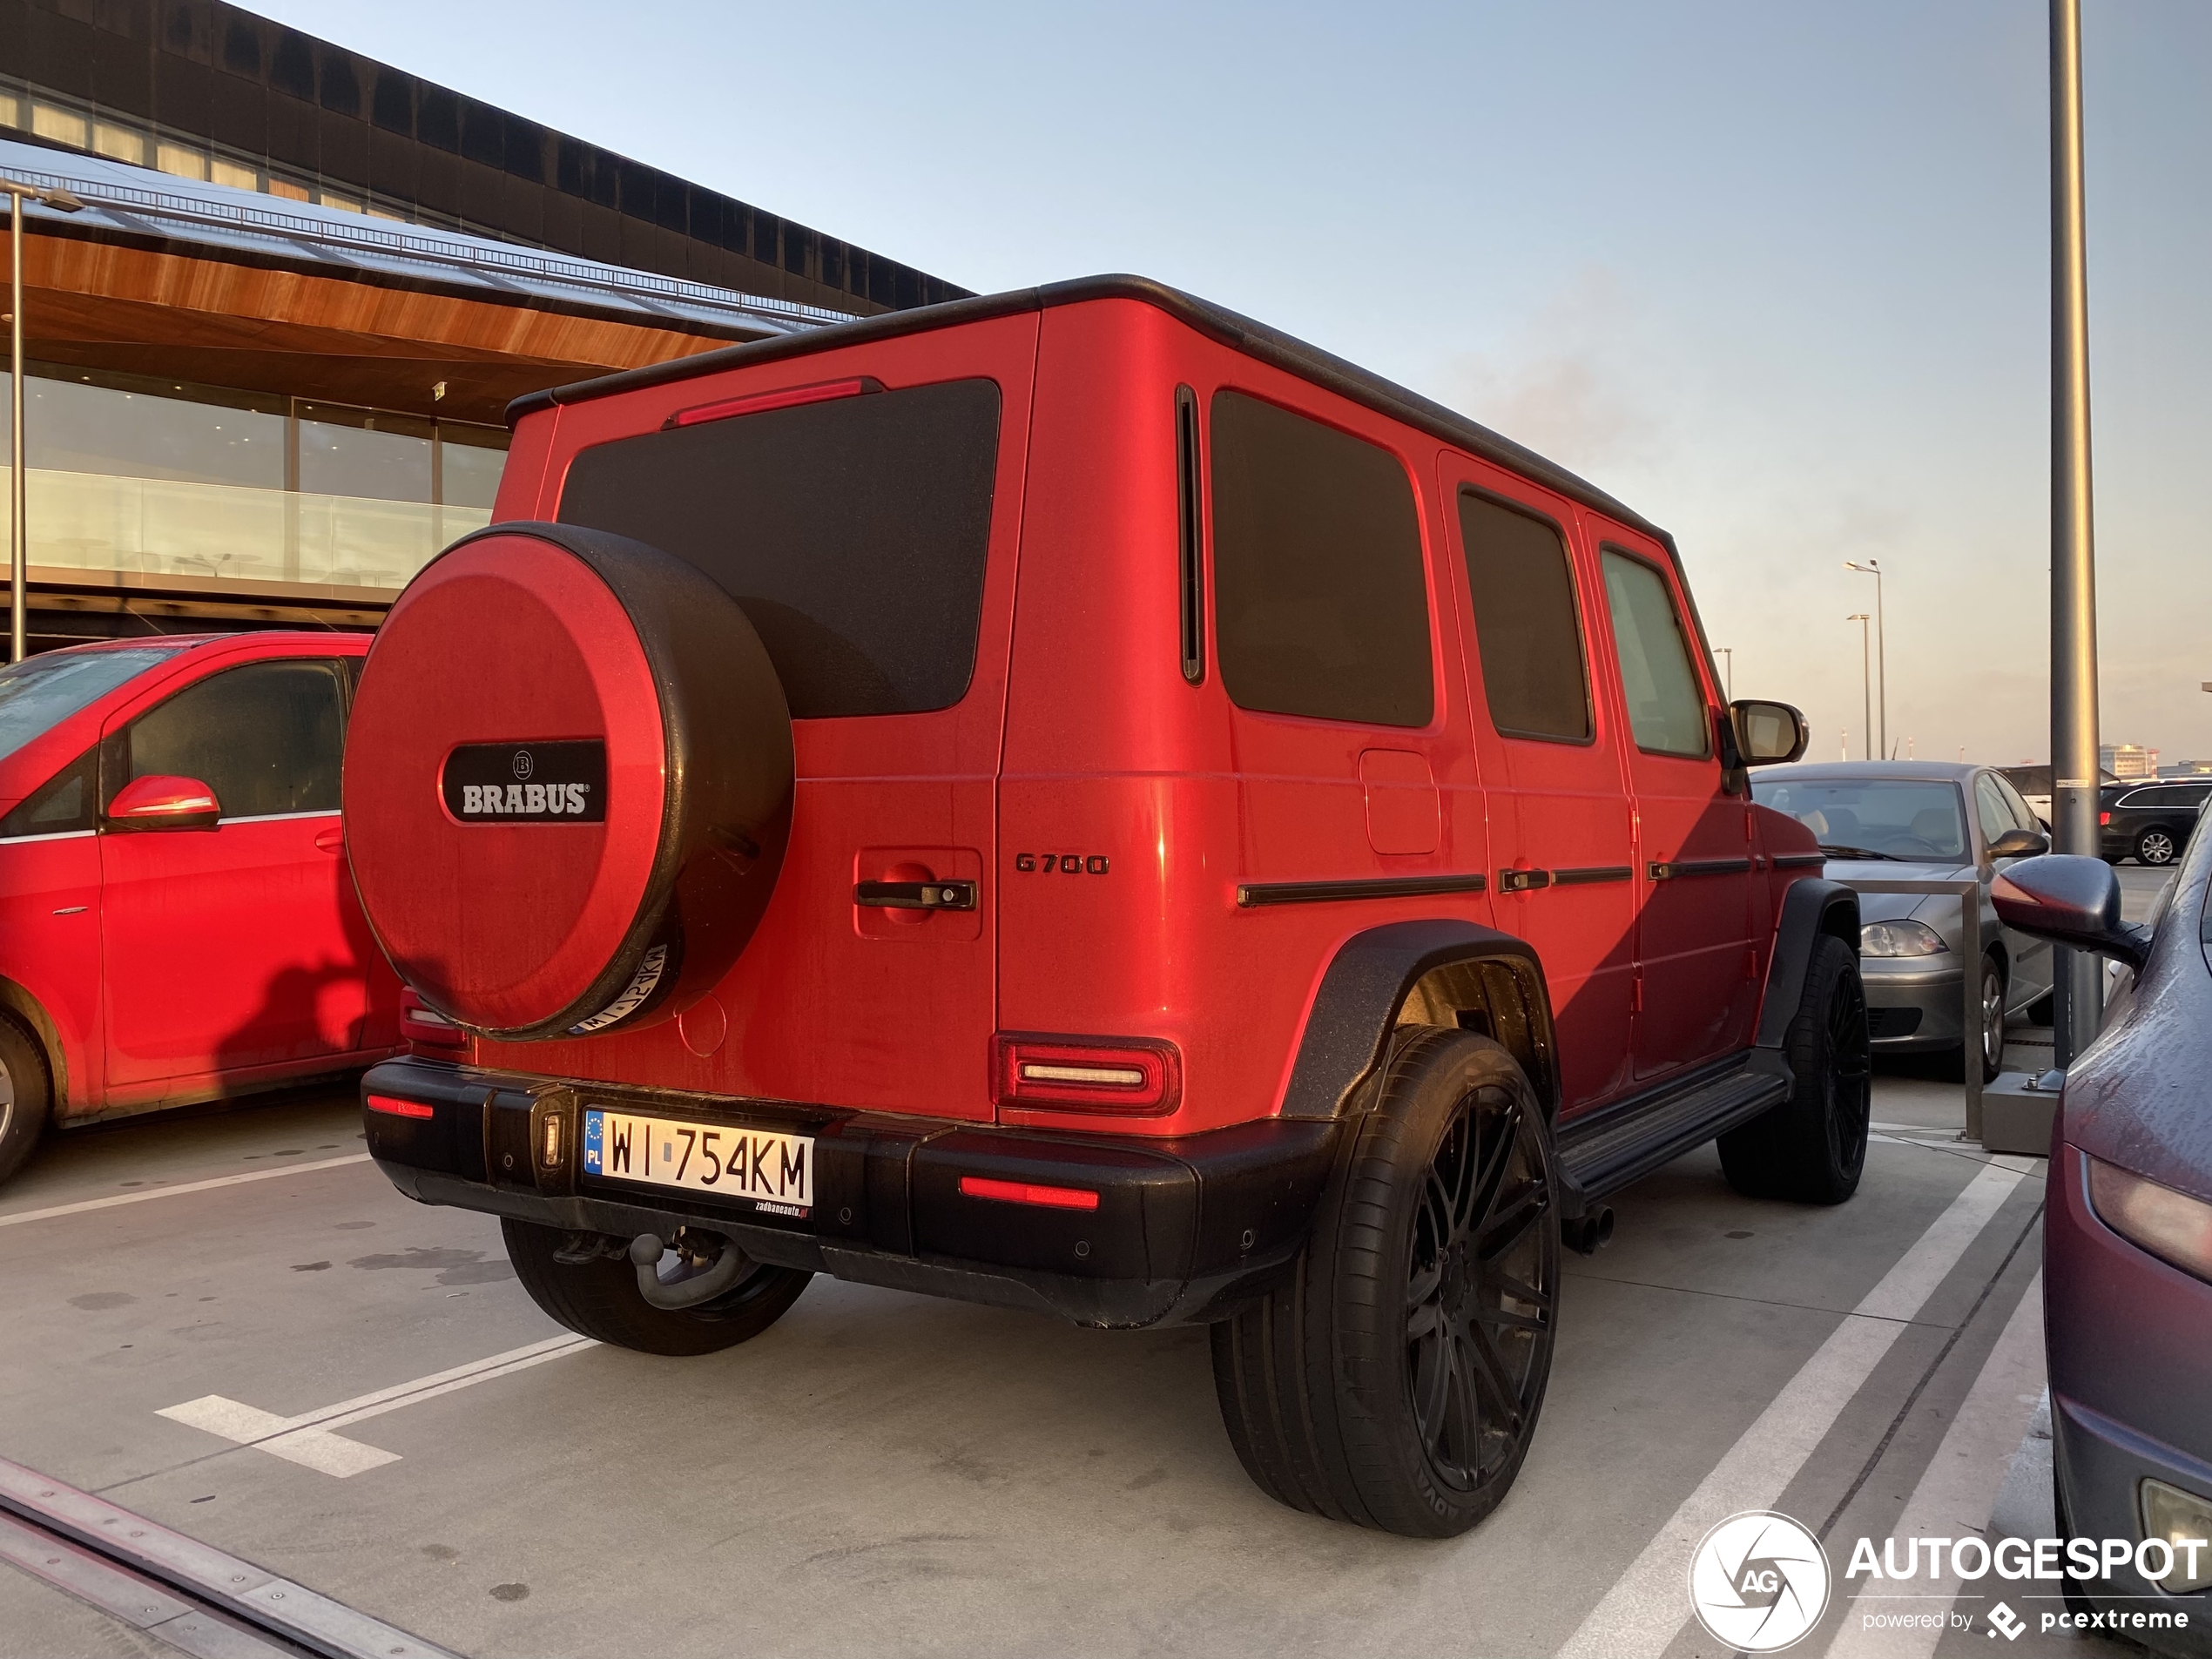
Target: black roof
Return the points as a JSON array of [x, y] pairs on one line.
[[1256, 339]]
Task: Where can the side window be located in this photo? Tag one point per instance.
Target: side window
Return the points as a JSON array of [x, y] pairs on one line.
[[1991, 807], [2023, 814], [1666, 710], [60, 805], [1320, 603], [1525, 627], [267, 738]]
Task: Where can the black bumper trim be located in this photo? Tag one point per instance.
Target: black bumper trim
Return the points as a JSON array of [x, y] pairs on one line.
[[1184, 1227]]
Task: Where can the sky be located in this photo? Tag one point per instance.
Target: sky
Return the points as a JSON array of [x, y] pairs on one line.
[[1774, 274]]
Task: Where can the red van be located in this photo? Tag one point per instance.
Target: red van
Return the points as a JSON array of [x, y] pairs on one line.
[[176, 923], [1072, 799]]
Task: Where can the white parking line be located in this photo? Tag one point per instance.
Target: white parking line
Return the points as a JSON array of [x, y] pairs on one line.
[[1640, 1616], [79, 1209], [1960, 1483], [307, 1439]]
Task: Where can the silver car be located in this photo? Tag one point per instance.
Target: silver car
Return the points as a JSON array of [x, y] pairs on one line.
[[1923, 819]]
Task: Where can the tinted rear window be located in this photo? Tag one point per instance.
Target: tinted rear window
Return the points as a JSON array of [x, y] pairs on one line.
[[852, 532], [1320, 605], [1525, 625]]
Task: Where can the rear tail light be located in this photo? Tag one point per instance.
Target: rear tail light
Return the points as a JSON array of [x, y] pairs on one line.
[[977, 1186], [789, 397], [420, 1022], [1089, 1073], [391, 1105], [2104, 821]]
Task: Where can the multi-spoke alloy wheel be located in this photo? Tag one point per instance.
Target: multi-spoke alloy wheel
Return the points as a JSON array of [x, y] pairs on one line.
[[2155, 847], [1480, 1292], [1394, 1376]]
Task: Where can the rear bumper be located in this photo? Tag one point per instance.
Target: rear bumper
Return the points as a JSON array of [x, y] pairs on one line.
[[1184, 1228]]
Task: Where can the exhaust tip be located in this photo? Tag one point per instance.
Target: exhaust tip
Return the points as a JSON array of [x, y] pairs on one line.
[[1588, 1233]]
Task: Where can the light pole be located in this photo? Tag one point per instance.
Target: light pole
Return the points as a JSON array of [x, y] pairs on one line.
[[1866, 679], [18, 553], [2073, 579], [1728, 684], [1873, 568]]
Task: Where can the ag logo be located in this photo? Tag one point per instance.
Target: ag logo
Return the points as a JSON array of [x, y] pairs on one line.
[[524, 766], [1758, 1582]]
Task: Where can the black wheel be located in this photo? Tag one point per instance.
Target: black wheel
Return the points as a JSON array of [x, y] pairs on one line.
[[1811, 1148], [26, 1094], [599, 1297], [2044, 1010], [2157, 845], [1393, 1377]]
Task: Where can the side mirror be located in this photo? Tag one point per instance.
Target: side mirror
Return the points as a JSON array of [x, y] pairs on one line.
[[2070, 901], [1767, 734], [2021, 844], [159, 803]]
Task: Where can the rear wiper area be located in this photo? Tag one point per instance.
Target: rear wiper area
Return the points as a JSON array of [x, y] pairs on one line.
[[1836, 852]]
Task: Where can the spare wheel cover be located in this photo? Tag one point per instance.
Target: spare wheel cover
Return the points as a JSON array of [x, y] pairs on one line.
[[633, 693]]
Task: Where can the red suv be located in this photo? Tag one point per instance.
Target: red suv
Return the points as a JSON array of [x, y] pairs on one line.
[[1074, 800], [175, 920]]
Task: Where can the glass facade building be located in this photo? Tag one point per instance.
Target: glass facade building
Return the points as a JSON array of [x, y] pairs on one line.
[[132, 476]]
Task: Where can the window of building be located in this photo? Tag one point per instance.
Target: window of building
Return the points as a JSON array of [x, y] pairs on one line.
[[266, 737], [1526, 630], [1320, 602], [365, 453], [137, 426], [470, 459], [1666, 709], [853, 532]]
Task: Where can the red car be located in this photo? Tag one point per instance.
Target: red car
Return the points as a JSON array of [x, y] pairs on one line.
[[176, 919], [1074, 800]]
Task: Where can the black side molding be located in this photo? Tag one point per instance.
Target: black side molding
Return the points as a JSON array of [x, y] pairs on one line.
[[1348, 1032], [1810, 907], [1250, 893], [1680, 867]]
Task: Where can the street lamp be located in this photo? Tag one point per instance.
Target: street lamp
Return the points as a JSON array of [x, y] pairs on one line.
[[18, 553], [1729, 684], [1865, 680], [1873, 568]]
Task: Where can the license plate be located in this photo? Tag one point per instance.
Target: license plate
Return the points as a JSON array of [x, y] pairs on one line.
[[776, 1171]]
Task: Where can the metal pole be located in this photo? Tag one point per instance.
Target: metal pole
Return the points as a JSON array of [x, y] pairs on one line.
[[2074, 595], [18, 555], [1882, 655], [1865, 681]]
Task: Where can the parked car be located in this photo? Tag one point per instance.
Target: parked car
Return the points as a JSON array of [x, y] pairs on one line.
[[2148, 822], [1910, 819], [1291, 907], [176, 920], [2128, 1244]]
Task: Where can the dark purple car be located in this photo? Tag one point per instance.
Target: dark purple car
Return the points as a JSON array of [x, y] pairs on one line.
[[2127, 1246]]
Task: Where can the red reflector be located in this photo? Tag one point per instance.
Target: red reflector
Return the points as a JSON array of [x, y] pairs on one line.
[[977, 1186], [399, 1108], [1089, 1073], [760, 402]]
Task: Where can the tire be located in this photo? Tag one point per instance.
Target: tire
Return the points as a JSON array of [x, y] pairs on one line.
[[599, 1299], [2157, 846], [1812, 1146], [26, 1094], [2044, 1010], [1393, 1377], [1994, 988]]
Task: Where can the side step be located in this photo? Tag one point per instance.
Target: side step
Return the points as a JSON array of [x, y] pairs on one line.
[[1612, 1148]]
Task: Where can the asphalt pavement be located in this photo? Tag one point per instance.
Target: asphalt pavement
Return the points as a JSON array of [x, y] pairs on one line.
[[231, 1323]]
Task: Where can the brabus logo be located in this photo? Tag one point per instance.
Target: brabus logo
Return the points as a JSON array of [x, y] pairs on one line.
[[537, 783]]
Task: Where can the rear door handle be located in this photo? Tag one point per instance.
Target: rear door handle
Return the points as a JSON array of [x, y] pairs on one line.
[[916, 895]]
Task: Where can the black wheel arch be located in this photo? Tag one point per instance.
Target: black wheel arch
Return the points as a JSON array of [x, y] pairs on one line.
[[1437, 971], [29, 1014], [1812, 907]]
